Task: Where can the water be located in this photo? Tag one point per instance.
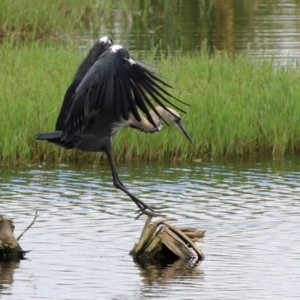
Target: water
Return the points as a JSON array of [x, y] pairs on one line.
[[85, 230], [263, 28]]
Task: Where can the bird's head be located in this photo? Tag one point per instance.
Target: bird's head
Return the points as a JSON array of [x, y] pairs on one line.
[[106, 42], [173, 116]]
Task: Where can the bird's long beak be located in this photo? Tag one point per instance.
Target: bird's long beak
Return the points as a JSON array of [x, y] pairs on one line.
[[182, 128]]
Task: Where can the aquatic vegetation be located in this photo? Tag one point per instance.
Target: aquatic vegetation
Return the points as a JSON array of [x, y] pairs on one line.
[[238, 107], [36, 18]]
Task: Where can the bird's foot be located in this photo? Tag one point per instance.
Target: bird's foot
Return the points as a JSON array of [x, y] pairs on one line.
[[145, 209]]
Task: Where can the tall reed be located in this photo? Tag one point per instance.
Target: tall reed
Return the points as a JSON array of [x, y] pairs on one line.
[[34, 18], [238, 106], [47, 18]]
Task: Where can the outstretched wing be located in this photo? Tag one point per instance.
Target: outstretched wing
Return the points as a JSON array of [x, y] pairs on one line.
[[99, 48], [118, 84]]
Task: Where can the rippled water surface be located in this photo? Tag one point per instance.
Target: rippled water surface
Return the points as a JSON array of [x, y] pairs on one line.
[[86, 227], [263, 28]]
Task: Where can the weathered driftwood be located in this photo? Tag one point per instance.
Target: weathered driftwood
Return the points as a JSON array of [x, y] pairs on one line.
[[9, 245], [161, 241]]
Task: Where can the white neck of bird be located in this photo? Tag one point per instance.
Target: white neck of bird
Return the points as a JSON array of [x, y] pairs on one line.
[[144, 125]]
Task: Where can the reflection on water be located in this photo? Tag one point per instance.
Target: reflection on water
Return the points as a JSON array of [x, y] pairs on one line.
[[180, 270], [262, 27], [81, 241], [7, 275]]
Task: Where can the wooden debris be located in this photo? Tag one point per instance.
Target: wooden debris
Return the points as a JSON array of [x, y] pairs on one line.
[[10, 248], [35, 217], [161, 241]]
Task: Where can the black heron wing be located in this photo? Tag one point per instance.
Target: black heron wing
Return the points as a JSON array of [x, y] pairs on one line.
[[118, 84], [98, 48]]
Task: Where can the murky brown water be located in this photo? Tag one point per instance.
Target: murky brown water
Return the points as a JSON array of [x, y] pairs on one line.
[[269, 28], [85, 229]]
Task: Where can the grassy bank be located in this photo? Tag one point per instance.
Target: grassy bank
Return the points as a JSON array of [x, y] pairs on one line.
[[37, 18], [237, 106]]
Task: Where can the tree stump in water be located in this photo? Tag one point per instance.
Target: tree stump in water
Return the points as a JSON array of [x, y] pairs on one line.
[[9, 245], [163, 242]]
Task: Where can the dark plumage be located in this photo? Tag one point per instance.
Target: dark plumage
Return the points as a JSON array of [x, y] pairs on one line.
[[107, 93]]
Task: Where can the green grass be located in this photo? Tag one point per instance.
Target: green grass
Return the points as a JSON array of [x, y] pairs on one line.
[[35, 18], [238, 107]]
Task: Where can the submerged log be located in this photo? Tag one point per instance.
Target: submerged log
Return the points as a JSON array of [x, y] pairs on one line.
[[163, 242], [10, 248]]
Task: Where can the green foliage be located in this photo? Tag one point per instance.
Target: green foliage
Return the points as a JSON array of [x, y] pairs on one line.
[[238, 107], [33, 78], [35, 18]]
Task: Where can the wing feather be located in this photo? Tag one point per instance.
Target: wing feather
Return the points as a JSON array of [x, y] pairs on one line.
[[116, 83]]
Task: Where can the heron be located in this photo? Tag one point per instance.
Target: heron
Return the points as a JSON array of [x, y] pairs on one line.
[[109, 91]]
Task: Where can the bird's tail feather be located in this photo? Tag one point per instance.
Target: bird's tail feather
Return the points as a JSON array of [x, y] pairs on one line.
[[49, 135], [54, 137]]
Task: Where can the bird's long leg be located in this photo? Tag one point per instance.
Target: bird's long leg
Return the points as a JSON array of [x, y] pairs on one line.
[[143, 207]]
